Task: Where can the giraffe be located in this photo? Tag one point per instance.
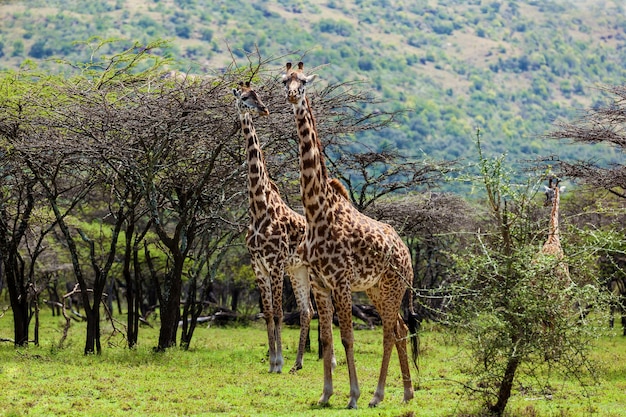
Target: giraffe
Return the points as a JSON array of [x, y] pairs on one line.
[[347, 252], [558, 276], [273, 236], [552, 245]]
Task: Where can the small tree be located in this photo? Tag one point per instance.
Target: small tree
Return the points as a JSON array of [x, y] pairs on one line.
[[18, 201], [24, 223], [508, 300]]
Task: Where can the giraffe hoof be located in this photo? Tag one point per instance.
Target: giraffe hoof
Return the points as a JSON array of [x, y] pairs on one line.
[[323, 404], [408, 397], [376, 400], [374, 403], [324, 400]]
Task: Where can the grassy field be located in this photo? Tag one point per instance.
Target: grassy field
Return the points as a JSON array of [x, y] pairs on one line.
[[225, 374]]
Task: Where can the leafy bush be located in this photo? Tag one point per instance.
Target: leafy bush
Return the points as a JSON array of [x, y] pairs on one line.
[[39, 50], [336, 27]]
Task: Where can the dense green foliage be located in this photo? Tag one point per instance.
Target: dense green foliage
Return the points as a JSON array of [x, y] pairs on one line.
[[509, 68]]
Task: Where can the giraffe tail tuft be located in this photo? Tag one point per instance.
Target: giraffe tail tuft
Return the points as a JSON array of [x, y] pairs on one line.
[[413, 323]]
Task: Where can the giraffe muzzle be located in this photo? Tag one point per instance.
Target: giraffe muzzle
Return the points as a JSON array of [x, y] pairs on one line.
[[292, 97]]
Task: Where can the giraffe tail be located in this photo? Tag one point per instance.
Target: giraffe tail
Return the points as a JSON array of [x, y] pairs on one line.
[[413, 321]]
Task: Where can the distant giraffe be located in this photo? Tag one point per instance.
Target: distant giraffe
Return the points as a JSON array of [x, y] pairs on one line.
[[558, 278], [552, 246], [273, 236], [347, 252]]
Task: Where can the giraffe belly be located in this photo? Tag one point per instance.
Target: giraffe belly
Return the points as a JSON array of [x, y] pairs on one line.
[[364, 282]]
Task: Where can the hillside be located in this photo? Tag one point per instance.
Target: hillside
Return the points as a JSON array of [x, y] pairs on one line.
[[509, 68]]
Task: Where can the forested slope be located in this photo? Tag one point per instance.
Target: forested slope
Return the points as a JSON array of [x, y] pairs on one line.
[[509, 68]]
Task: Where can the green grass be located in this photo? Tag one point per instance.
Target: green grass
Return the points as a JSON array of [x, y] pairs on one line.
[[225, 374]]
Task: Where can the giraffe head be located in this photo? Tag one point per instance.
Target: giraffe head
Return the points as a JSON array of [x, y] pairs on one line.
[[247, 100], [295, 82], [552, 191]]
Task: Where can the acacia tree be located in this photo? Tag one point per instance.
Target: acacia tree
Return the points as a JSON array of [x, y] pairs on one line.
[[370, 176], [187, 172], [18, 201], [22, 232], [101, 111], [217, 239], [158, 146], [67, 143], [604, 124], [67, 178]]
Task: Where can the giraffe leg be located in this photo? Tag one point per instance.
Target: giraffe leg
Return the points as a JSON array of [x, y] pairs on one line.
[[394, 332], [302, 291], [343, 302], [268, 314], [401, 334], [374, 295], [325, 312], [277, 307], [265, 289]]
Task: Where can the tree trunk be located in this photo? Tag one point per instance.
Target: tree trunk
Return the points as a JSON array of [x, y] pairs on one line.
[[20, 322], [189, 309], [132, 312], [234, 301], [131, 332], [19, 301], [505, 386], [36, 329], [190, 320], [170, 307], [92, 341]]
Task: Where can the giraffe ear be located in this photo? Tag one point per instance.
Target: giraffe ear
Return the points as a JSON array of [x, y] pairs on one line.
[[562, 188], [236, 93], [310, 78], [546, 188]]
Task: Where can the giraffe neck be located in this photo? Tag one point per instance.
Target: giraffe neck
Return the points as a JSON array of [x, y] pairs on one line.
[[258, 178], [313, 174], [553, 234]]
